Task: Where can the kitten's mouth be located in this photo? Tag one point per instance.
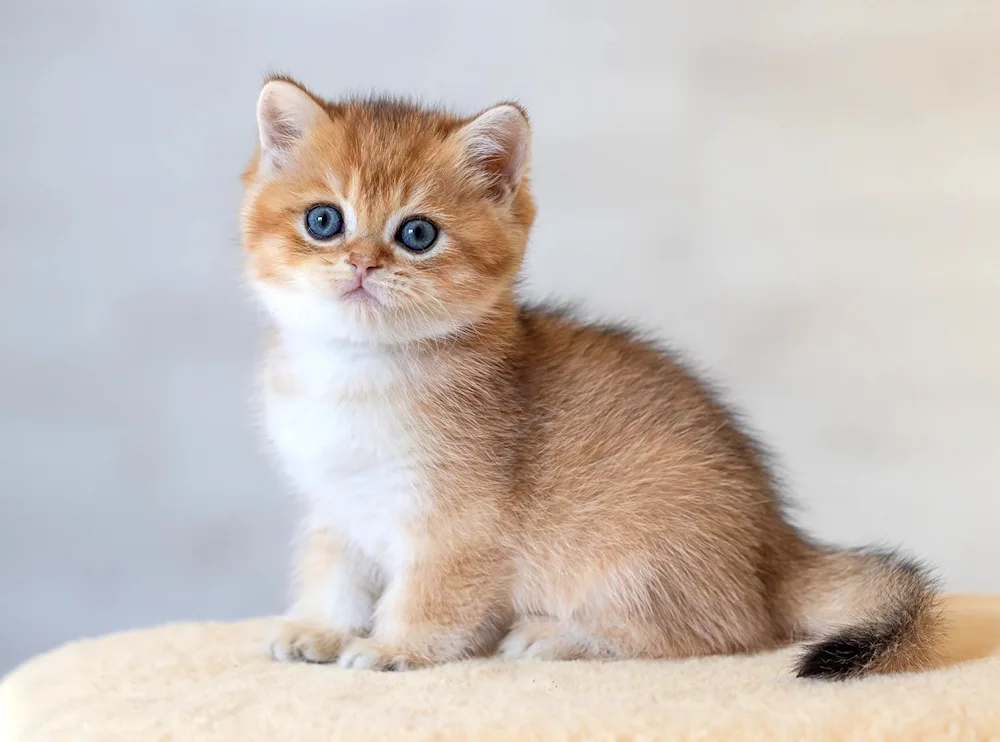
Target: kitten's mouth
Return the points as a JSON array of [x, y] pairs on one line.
[[359, 293]]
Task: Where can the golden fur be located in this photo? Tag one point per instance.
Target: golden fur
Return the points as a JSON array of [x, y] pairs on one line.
[[564, 491]]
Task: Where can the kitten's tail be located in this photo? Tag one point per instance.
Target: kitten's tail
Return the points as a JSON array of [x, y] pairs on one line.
[[866, 612]]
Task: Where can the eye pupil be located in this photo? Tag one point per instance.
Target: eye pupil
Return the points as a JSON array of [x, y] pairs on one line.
[[417, 235], [324, 222]]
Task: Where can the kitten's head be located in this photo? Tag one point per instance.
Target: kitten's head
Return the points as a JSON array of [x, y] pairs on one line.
[[378, 221]]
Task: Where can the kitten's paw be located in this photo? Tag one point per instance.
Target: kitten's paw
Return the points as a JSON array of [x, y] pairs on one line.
[[368, 654], [297, 641], [542, 638]]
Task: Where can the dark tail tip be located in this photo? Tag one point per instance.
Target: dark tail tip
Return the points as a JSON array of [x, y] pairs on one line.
[[849, 654]]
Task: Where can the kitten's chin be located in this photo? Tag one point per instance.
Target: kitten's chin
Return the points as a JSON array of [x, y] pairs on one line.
[[358, 319]]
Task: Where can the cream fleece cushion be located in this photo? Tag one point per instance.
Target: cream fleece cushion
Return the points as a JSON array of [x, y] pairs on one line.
[[213, 683]]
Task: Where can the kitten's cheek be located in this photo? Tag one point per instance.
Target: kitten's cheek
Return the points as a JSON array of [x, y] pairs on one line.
[[466, 286]]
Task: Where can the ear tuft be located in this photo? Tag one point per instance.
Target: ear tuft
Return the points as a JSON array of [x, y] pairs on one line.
[[496, 145], [285, 114]]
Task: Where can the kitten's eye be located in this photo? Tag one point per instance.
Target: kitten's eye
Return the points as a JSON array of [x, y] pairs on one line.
[[324, 222], [417, 235]]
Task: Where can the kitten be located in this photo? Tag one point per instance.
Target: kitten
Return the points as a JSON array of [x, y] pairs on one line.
[[480, 476]]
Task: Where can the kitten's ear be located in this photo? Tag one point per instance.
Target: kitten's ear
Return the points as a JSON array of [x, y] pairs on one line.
[[496, 145], [285, 114]]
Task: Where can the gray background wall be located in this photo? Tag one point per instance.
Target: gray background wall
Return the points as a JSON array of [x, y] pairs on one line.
[[805, 196]]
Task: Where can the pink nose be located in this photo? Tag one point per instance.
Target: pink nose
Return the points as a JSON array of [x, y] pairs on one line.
[[363, 264]]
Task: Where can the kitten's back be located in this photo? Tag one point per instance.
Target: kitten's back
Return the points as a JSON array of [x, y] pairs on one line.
[[637, 465]]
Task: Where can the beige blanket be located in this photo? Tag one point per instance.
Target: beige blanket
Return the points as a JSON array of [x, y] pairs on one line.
[[213, 683]]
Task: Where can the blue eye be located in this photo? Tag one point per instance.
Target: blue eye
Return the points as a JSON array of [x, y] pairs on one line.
[[324, 222], [417, 235]]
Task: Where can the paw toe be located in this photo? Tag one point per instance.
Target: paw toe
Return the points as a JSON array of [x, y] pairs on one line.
[[295, 642], [364, 654], [540, 640]]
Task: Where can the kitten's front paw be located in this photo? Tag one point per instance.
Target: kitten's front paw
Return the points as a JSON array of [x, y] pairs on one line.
[[368, 654], [297, 641]]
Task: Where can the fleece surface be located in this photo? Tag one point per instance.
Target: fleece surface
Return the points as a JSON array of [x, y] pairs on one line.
[[213, 683]]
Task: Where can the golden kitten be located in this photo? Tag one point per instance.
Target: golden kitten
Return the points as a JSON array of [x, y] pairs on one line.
[[480, 476]]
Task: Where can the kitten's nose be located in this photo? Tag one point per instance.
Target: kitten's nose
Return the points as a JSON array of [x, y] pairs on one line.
[[363, 264]]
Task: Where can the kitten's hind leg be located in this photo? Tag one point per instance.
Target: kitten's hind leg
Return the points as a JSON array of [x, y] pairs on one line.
[[548, 638], [617, 637]]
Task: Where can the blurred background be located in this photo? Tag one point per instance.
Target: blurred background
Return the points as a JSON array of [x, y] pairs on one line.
[[804, 196]]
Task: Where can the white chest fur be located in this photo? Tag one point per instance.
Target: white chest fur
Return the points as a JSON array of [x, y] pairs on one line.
[[342, 432]]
